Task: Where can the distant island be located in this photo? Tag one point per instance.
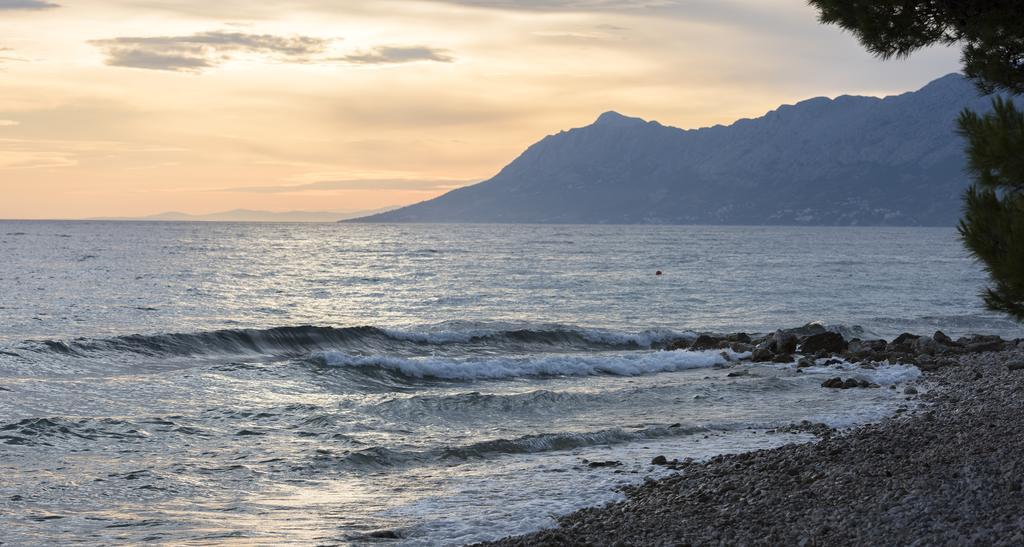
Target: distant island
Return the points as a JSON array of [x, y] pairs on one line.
[[248, 215], [845, 161]]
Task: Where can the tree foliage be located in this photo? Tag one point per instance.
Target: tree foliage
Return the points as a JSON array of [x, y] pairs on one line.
[[991, 32], [991, 35], [993, 223]]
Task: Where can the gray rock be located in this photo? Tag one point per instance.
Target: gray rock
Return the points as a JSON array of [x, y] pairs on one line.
[[834, 383], [941, 338], [679, 344], [929, 346], [609, 463], [809, 329], [875, 345], [785, 342], [705, 342], [831, 342], [905, 338], [762, 355], [983, 345]]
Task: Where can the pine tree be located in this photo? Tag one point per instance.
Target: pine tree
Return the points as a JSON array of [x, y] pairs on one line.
[[993, 223], [991, 35]]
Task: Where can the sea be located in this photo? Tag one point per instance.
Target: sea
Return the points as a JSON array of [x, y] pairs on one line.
[[335, 384]]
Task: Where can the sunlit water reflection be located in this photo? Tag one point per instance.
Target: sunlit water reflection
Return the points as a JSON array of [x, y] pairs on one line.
[[502, 361]]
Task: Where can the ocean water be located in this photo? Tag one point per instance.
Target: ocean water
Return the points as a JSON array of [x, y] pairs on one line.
[[312, 384]]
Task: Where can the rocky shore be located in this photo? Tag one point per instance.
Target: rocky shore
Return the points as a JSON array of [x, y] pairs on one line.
[[950, 471]]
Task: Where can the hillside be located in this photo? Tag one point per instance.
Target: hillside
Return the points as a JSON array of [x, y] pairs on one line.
[[845, 161]]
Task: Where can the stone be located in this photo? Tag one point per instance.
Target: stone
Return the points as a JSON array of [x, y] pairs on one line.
[[762, 355], [831, 342], [659, 460], [929, 346], [900, 348], [1015, 365], [784, 342], [740, 347], [804, 362], [807, 330], [833, 383], [678, 344], [941, 338], [705, 341], [783, 358], [910, 390], [609, 463], [874, 345], [986, 345], [905, 338], [738, 374], [851, 383]]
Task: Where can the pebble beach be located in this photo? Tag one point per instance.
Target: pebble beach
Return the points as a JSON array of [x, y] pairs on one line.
[[947, 469]]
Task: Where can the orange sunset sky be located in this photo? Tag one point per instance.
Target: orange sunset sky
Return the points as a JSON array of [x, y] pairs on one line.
[[124, 108]]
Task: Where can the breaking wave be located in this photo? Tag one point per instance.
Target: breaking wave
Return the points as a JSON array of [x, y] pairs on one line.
[[303, 340], [379, 456], [619, 364]]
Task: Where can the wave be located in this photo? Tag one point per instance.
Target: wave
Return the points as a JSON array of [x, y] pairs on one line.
[[303, 340], [382, 457], [487, 404], [547, 334], [48, 431], [276, 341], [550, 442], [495, 368]]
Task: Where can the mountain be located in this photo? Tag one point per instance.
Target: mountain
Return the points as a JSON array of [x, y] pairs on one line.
[[247, 215], [845, 161]]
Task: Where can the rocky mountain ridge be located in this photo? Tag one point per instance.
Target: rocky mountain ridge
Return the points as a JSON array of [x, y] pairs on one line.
[[851, 160]]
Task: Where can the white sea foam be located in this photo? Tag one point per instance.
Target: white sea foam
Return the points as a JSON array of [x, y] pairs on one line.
[[881, 374], [620, 364]]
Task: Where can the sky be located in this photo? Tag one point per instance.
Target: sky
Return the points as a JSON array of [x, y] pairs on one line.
[[136, 107]]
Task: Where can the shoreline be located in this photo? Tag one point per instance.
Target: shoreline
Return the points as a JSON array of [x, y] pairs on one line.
[[950, 471]]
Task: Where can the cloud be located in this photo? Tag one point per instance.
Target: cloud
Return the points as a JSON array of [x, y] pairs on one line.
[[8, 123], [771, 17], [27, 5], [356, 184], [688, 9], [566, 5], [398, 54], [206, 49], [6, 54]]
